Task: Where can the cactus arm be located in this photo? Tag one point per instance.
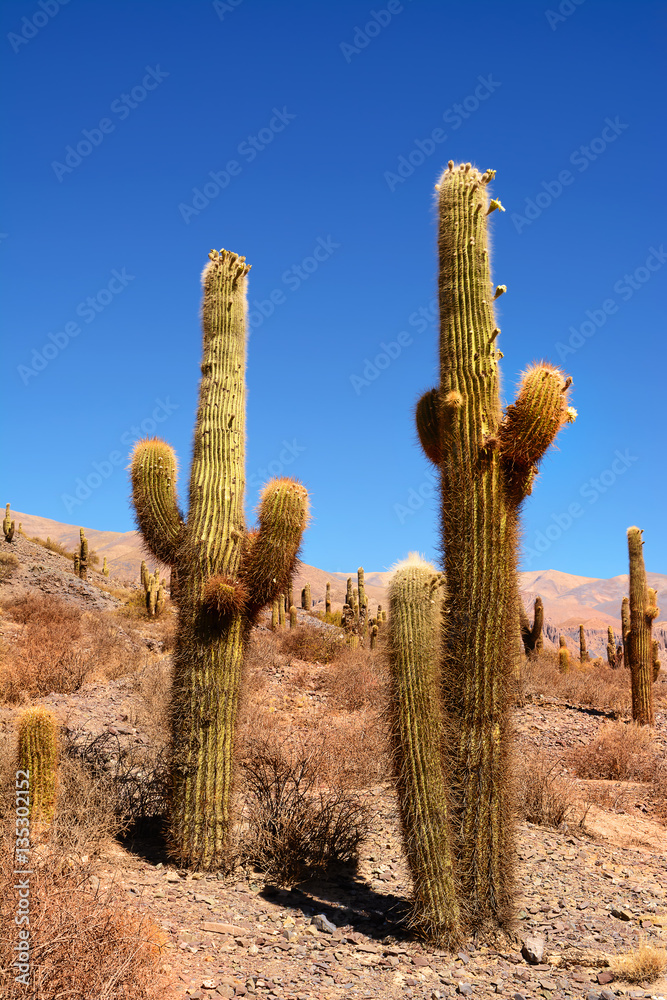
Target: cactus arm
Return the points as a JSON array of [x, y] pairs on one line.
[[417, 725], [272, 554], [153, 475], [427, 420]]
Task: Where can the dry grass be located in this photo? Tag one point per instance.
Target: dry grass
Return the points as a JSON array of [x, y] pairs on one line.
[[545, 796], [358, 679], [619, 752], [8, 564], [83, 943], [645, 964], [589, 686], [295, 829], [312, 643]]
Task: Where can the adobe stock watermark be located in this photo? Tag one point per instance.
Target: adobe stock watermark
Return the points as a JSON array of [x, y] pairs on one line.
[[416, 498], [276, 467], [565, 9], [122, 107], [101, 471], [88, 310], [31, 26], [581, 158], [378, 20], [591, 491], [221, 179], [23, 871], [292, 279], [389, 352], [223, 7], [454, 116], [625, 287]]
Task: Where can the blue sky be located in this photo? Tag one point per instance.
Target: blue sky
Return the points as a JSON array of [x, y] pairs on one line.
[[301, 134]]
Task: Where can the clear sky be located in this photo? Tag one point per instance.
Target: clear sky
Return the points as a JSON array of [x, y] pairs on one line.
[[308, 136]]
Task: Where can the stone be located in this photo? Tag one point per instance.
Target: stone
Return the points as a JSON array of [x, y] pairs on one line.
[[215, 928], [465, 989], [533, 949], [620, 914], [322, 924], [605, 977]]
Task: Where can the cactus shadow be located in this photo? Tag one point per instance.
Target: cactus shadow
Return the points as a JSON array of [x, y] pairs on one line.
[[347, 902], [146, 838]]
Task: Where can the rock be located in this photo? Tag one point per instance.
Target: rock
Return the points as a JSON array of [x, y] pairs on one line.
[[533, 949], [605, 977], [215, 928], [620, 914], [322, 924], [607, 995], [465, 989]]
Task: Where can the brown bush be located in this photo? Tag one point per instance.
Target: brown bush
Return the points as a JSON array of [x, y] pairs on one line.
[[312, 643], [594, 686], [296, 831], [8, 564], [83, 943], [359, 678], [619, 752], [643, 965], [543, 795]]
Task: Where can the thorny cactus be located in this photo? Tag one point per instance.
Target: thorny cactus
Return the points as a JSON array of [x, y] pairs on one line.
[[625, 629], [583, 652], [327, 600], [274, 615], [612, 657], [563, 656], [105, 568], [487, 463], [643, 611], [38, 755], [293, 621], [226, 574], [83, 555], [655, 659], [8, 525], [531, 635], [306, 599]]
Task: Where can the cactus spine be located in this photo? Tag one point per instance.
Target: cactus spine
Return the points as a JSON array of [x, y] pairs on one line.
[[583, 652], [531, 636], [8, 525], [642, 612], [563, 656], [327, 600], [487, 464], [226, 574], [38, 754]]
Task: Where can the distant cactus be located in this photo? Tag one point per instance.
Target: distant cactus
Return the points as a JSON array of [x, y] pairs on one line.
[[274, 615], [292, 617], [625, 629], [379, 619], [151, 593], [612, 659], [531, 635], [306, 600], [144, 574], [161, 598], [327, 601], [583, 652], [38, 755], [281, 611], [374, 635], [105, 568], [349, 594], [643, 611], [363, 601], [83, 556], [563, 656], [76, 561], [8, 525]]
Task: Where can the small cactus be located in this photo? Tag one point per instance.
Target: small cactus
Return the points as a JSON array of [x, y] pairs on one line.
[[292, 617], [363, 601], [625, 628], [151, 594], [379, 619], [38, 755], [349, 595], [327, 601], [374, 635], [274, 615], [655, 659], [105, 568], [83, 556], [563, 656], [531, 635], [643, 611], [583, 652], [161, 598], [306, 600], [76, 563], [8, 525], [281, 611], [144, 574], [611, 649]]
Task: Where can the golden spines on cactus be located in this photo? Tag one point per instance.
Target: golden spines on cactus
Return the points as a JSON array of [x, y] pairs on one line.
[[8, 525], [583, 652], [226, 575], [563, 656], [38, 749]]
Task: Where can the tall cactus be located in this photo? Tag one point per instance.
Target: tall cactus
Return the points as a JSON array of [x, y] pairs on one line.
[[306, 599], [105, 568], [612, 658], [83, 555], [655, 659], [8, 525], [226, 574], [583, 652], [643, 610], [487, 464], [327, 600], [531, 635], [38, 755], [625, 629], [563, 655]]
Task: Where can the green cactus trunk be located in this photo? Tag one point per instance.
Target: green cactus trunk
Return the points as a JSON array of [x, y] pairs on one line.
[[655, 660], [226, 576], [274, 615], [281, 612], [531, 635], [487, 463], [625, 629], [38, 741], [583, 652], [563, 656], [642, 612], [105, 568], [83, 556], [611, 649]]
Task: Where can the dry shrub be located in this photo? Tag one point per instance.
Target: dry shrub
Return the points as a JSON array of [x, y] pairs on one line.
[[112, 646], [294, 830], [83, 943], [313, 643], [543, 795], [643, 965], [8, 564], [153, 686], [594, 686], [359, 678], [619, 752]]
